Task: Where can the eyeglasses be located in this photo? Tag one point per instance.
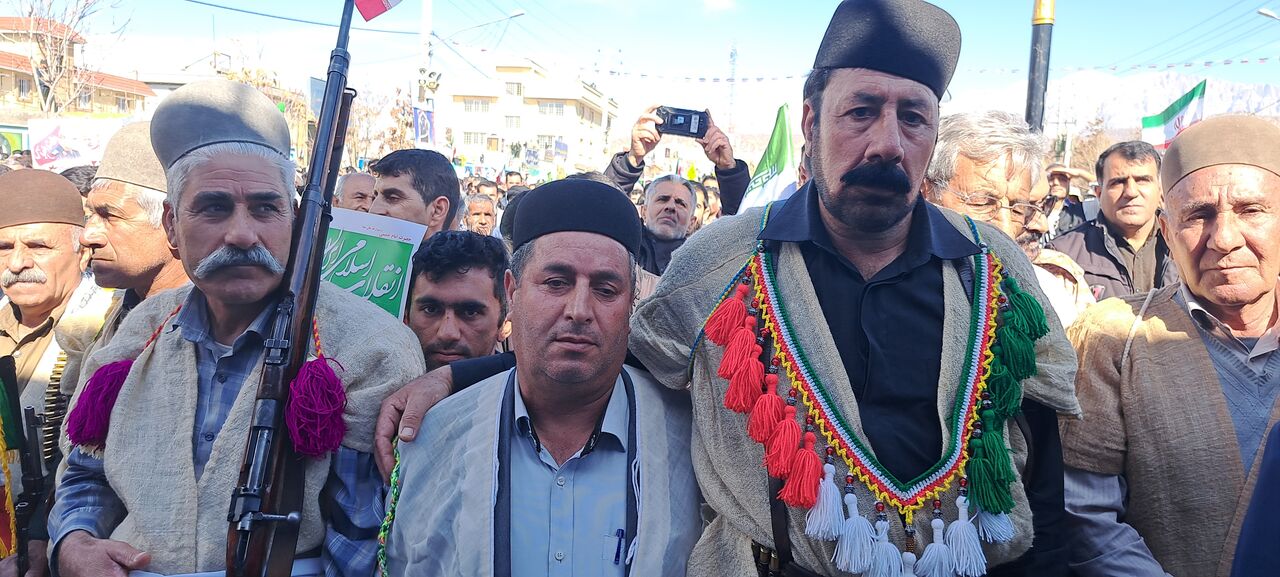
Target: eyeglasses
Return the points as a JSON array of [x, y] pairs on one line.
[[984, 205]]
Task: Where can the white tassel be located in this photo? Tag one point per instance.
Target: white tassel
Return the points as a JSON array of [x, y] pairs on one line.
[[993, 527], [853, 550], [908, 564], [826, 518], [936, 561], [886, 561], [966, 548]]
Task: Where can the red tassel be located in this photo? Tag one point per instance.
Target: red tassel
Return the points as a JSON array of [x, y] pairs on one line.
[[744, 386], [781, 448], [88, 422], [739, 349], [767, 412], [727, 317], [314, 412], [801, 488]]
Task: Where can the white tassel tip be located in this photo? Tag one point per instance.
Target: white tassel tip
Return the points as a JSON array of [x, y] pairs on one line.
[[994, 527], [908, 564], [853, 550], [936, 560], [886, 560], [968, 560], [826, 518]]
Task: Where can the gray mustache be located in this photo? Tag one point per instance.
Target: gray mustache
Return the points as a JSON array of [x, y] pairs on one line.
[[232, 256], [31, 275]]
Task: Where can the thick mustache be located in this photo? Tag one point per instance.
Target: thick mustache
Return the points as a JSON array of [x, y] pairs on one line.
[[31, 275], [879, 175], [231, 256]]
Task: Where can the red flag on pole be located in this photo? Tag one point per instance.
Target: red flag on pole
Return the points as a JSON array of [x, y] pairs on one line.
[[371, 9]]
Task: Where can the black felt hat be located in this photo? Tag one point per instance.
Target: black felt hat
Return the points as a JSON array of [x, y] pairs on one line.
[[577, 205], [908, 38]]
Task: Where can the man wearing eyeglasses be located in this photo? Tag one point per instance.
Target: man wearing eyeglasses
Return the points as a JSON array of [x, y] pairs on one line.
[[987, 166]]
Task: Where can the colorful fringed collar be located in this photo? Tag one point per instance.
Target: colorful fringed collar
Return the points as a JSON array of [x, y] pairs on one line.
[[1004, 323]]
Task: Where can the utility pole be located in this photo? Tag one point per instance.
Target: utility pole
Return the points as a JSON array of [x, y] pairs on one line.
[[733, 84], [1038, 72]]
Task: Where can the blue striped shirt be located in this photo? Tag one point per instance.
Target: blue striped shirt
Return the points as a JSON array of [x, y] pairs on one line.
[[352, 496]]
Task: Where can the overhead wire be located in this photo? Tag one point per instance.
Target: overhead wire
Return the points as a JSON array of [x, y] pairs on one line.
[[1194, 42], [1181, 34]]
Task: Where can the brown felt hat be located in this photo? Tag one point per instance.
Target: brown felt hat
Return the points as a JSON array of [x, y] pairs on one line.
[[909, 38], [1245, 140], [129, 158], [212, 112], [28, 196]]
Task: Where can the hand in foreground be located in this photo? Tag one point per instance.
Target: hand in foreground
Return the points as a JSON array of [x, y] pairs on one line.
[[716, 146], [644, 135], [36, 557], [402, 412], [82, 555]]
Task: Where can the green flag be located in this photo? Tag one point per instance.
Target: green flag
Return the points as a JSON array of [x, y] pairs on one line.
[[775, 176]]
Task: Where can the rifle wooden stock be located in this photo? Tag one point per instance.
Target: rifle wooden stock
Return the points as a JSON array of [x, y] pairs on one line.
[[265, 513]]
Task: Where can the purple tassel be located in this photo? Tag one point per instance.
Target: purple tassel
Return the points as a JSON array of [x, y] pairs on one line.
[[88, 422], [314, 413]]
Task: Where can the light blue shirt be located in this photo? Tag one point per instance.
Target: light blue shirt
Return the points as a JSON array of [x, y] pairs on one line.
[[565, 518]]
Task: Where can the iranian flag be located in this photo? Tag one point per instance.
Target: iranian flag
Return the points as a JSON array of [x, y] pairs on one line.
[[775, 177], [1159, 129], [371, 9]]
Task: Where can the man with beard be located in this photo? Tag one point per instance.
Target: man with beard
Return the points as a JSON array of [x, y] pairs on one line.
[[570, 463], [986, 165], [480, 214], [1123, 252], [856, 266], [669, 203], [1178, 385], [158, 429], [457, 306], [41, 216]]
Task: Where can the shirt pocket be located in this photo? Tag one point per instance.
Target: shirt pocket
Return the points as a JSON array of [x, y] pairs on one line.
[[610, 550]]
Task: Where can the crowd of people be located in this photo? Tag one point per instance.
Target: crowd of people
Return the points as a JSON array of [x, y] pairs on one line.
[[938, 357]]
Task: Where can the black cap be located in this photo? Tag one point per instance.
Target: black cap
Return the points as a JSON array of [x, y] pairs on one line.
[[577, 205], [909, 38]]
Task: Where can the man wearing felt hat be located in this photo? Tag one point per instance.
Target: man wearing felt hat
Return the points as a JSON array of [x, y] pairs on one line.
[[152, 468], [569, 463], [126, 242], [41, 217], [888, 361], [1178, 385]]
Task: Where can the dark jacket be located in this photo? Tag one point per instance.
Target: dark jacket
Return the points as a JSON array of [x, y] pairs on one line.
[[733, 182], [1256, 551], [1095, 250]]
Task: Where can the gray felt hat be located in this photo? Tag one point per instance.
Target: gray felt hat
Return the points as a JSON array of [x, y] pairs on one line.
[[215, 111], [129, 158], [908, 38], [1247, 140]]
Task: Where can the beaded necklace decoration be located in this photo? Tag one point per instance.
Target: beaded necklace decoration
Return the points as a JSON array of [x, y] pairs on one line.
[[1005, 322]]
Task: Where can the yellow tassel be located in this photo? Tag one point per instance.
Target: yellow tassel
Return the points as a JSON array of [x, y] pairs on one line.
[[5, 458]]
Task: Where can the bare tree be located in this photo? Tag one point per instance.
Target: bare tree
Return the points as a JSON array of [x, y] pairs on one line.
[[363, 136], [54, 28]]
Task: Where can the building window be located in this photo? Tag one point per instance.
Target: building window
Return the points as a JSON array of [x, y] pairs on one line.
[[515, 89], [24, 88], [473, 138], [551, 108], [513, 122], [546, 141], [475, 105], [86, 99], [122, 104]]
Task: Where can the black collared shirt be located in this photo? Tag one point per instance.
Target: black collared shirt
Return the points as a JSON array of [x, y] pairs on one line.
[[888, 328]]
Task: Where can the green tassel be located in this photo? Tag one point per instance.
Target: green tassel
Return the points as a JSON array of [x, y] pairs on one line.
[[989, 469], [10, 421], [1005, 392], [1016, 352], [1035, 325]]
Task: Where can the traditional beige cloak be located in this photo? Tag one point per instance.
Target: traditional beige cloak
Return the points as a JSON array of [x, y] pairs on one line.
[[181, 520], [728, 462]]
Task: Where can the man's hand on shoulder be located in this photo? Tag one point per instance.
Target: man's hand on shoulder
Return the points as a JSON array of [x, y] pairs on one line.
[[644, 136], [83, 555], [402, 412], [716, 146]]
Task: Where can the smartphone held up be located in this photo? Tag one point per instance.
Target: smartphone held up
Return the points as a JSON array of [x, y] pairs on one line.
[[683, 122]]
